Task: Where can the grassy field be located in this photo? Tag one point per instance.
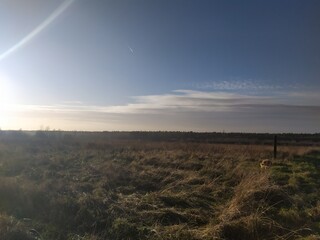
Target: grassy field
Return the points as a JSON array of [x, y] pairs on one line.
[[56, 186]]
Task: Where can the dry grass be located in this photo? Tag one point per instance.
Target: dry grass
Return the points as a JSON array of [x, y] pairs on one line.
[[93, 190]]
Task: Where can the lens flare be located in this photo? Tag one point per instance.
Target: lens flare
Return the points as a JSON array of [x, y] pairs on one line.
[[38, 29]]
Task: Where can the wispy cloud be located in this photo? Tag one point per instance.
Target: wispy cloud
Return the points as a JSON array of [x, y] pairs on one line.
[[183, 110], [187, 100], [243, 85]]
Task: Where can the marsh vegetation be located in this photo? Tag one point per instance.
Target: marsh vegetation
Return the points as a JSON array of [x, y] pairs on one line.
[[57, 186]]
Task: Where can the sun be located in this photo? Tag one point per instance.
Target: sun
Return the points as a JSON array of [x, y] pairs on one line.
[[3, 91], [6, 101], [7, 90], [3, 100]]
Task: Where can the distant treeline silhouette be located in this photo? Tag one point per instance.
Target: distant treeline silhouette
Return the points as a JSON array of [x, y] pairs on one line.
[[171, 136]]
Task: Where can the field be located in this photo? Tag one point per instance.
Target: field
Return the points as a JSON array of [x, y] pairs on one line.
[[157, 186]]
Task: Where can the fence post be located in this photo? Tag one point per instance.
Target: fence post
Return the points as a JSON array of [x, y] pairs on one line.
[[275, 147]]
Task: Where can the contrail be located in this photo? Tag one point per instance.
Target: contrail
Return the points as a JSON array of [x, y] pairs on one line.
[[131, 50], [38, 29]]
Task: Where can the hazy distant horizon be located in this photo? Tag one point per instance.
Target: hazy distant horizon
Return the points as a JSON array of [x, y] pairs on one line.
[[48, 129]]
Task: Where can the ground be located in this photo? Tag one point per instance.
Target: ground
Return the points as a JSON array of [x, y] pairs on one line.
[[56, 186]]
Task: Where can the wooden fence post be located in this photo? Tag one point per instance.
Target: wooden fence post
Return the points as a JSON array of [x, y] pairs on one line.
[[275, 147]]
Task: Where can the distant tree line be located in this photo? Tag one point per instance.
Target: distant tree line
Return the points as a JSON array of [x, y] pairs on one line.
[[165, 136]]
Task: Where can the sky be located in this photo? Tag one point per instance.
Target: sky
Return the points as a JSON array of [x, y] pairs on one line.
[[173, 65]]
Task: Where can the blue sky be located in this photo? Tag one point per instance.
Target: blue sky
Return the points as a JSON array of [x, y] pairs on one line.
[[249, 66]]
